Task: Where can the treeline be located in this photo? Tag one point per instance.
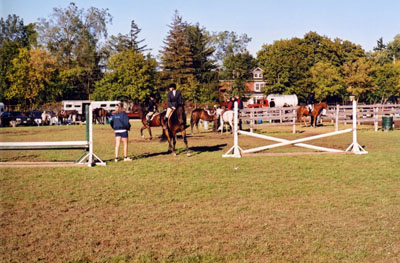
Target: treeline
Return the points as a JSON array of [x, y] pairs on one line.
[[70, 56]]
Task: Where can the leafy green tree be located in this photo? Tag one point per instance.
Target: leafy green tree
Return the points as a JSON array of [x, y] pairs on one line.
[[31, 74], [177, 58], [131, 76], [358, 78], [328, 82], [72, 35], [287, 63], [387, 53], [229, 43], [387, 83], [239, 68], [13, 36], [393, 49]]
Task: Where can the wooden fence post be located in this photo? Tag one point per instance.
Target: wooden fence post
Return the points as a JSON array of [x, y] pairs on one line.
[[294, 121], [337, 118]]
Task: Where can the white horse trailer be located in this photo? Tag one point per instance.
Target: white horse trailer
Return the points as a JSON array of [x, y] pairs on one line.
[[280, 100], [107, 105], [79, 105]]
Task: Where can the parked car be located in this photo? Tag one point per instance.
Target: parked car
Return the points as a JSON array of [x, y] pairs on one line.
[[35, 117], [14, 118], [259, 104]]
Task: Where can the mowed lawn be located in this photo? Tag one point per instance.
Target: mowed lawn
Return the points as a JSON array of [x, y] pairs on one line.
[[203, 208]]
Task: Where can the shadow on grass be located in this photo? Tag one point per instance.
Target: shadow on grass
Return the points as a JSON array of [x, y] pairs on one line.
[[196, 150], [199, 149]]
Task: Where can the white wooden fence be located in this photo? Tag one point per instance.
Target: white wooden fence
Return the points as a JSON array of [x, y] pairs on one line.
[[365, 113], [258, 117]]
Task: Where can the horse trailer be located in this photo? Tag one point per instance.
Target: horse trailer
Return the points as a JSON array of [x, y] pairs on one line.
[[79, 105], [281, 100]]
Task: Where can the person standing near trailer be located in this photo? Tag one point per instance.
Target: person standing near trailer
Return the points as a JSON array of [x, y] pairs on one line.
[[121, 126]]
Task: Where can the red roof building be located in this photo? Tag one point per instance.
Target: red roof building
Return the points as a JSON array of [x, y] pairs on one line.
[[254, 87]]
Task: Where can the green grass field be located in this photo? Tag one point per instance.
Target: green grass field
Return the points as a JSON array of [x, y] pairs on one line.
[[203, 208]]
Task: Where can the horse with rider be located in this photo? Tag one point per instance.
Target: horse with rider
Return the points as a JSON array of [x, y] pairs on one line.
[[312, 109]]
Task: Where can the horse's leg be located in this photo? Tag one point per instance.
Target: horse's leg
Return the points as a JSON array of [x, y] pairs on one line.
[[191, 125], [151, 136], [174, 143], [166, 133], [186, 143], [141, 129], [197, 125], [304, 120]]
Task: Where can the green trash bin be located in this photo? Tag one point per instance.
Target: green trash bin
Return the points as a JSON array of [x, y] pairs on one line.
[[387, 123]]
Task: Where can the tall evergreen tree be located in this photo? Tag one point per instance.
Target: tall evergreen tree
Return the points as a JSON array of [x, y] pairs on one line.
[[129, 41], [380, 46], [205, 84], [177, 58]]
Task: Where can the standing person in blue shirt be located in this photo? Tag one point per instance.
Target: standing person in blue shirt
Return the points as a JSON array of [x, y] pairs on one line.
[[120, 124]]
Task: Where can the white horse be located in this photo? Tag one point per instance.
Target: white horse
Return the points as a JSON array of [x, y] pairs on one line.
[[225, 117]]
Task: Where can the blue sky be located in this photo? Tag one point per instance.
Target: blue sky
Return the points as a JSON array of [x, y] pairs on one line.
[[359, 21]]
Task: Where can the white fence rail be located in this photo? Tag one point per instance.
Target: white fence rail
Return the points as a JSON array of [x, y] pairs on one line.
[[365, 113], [258, 117]]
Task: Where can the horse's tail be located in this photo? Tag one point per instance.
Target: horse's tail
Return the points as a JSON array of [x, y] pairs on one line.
[[299, 113]]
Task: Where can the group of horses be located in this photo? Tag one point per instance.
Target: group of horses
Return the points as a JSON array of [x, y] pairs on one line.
[[176, 123], [100, 115]]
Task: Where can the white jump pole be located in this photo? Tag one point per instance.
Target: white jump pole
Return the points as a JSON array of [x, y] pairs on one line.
[[235, 149], [266, 137], [287, 142], [355, 147], [89, 156]]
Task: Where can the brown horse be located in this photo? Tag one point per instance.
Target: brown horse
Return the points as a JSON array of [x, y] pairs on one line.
[[176, 123], [154, 122], [100, 115], [303, 111], [198, 114], [64, 115]]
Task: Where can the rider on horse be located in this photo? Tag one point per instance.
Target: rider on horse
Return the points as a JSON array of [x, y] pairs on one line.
[[174, 100], [310, 102], [152, 108]]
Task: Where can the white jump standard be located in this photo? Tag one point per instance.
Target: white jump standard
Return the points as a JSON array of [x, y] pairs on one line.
[[236, 152], [88, 157]]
